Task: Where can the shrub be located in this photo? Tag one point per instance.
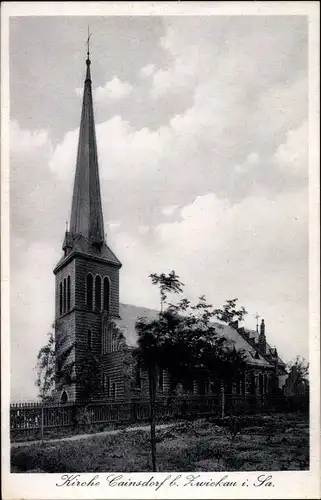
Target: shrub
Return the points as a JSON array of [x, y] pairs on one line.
[[202, 450], [233, 462]]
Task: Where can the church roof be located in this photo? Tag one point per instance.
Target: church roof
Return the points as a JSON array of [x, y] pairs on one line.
[[130, 313], [80, 244], [86, 211], [270, 351]]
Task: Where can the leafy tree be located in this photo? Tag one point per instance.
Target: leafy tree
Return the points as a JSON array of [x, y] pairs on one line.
[[89, 376], [148, 351], [53, 363], [56, 364], [229, 313], [46, 369], [297, 384], [169, 283], [183, 341], [301, 367]]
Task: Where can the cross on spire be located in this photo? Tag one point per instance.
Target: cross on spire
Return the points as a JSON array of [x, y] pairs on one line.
[[257, 317], [88, 43]]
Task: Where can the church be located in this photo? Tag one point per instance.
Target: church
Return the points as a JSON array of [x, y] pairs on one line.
[[98, 331]]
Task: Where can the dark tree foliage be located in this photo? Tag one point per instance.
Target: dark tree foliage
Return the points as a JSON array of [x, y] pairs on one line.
[[229, 313], [46, 369], [88, 376], [53, 362], [169, 283], [183, 341], [301, 368]]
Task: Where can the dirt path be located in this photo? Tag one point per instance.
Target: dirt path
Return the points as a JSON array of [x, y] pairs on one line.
[[86, 436]]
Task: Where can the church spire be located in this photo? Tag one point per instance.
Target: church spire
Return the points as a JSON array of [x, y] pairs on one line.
[[86, 211]]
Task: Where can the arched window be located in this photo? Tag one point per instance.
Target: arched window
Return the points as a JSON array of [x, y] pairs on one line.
[[68, 293], [109, 338], [272, 383], [107, 385], [64, 301], [106, 294], [244, 383], [89, 340], [89, 291], [60, 298], [260, 383], [252, 383], [64, 397], [58, 366], [265, 383], [98, 293], [138, 377]]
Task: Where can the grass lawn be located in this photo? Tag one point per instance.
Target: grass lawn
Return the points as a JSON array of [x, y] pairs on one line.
[[278, 442]]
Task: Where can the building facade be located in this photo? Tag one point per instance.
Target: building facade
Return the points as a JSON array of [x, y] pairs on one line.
[[95, 334]]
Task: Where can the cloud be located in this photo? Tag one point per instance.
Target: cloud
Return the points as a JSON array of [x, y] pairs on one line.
[[114, 224], [143, 229], [169, 210], [240, 109], [24, 141], [292, 155], [208, 147], [115, 89], [32, 189], [251, 162], [221, 250], [63, 160], [32, 294], [229, 52], [147, 71], [253, 158]]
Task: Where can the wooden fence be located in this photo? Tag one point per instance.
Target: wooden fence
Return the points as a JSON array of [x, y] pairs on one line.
[[37, 420]]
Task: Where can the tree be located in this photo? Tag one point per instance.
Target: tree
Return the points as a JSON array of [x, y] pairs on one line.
[[148, 351], [53, 362], [88, 376], [56, 364], [46, 369], [229, 312], [301, 368], [169, 283], [298, 379], [297, 384], [183, 341]]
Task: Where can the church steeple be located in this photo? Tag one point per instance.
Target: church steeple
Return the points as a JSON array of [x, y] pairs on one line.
[[86, 212], [87, 275]]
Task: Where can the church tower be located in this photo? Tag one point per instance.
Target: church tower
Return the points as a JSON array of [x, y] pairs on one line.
[[87, 275]]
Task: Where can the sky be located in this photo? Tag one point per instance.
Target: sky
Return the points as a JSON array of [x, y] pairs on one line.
[[202, 131]]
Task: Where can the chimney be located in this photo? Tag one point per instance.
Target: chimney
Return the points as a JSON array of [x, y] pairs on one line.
[[262, 338]]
